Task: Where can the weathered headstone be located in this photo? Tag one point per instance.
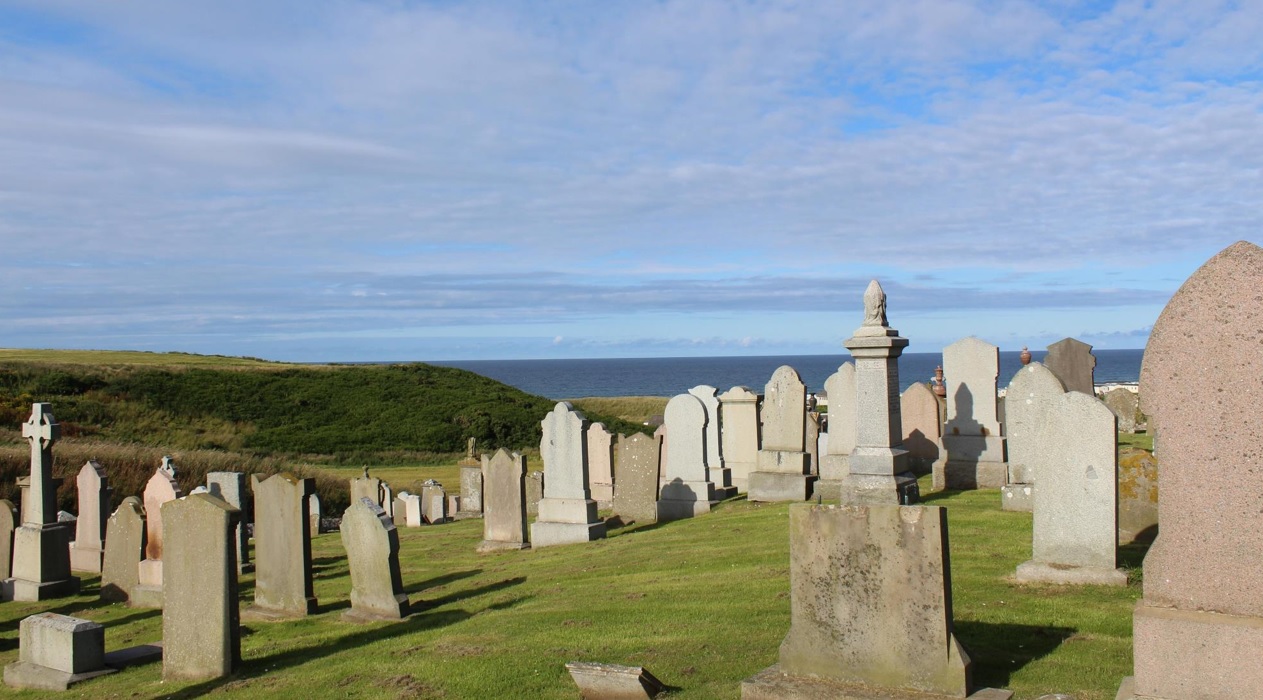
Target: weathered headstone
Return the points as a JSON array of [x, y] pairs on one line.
[[835, 464], [782, 473], [717, 471], [685, 492], [601, 463], [56, 652], [160, 489], [314, 514], [408, 511], [567, 513], [534, 492], [1075, 454], [433, 502], [972, 437], [124, 548], [95, 501], [922, 427], [282, 575], [636, 493], [471, 453], [372, 548], [1137, 496], [870, 606], [1198, 630], [1126, 405], [41, 546], [504, 513], [387, 499], [453, 504], [470, 491], [201, 624], [610, 682], [1073, 363], [739, 436], [1030, 396], [8, 523], [366, 486], [231, 487]]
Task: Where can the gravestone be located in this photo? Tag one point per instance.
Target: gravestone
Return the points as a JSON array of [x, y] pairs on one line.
[[124, 548], [1198, 630], [870, 607], [387, 499], [534, 492], [366, 486], [739, 436], [282, 574], [783, 466], [95, 501], [812, 442], [372, 549], [835, 464], [470, 491], [41, 546], [661, 434], [471, 454], [433, 502], [1073, 363], [8, 523], [159, 490], [504, 515], [972, 436], [1126, 405], [1031, 395], [601, 464], [453, 504], [922, 427], [610, 682], [1137, 496], [1074, 455], [685, 491], [567, 513], [408, 510], [57, 651], [314, 514], [636, 493], [231, 487], [717, 471], [201, 628]]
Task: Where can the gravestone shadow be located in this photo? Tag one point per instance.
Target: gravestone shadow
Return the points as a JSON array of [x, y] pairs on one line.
[[440, 580], [1000, 649]]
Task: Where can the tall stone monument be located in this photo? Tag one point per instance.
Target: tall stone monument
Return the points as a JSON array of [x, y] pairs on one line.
[[1073, 363], [41, 546], [1032, 393], [282, 574], [95, 501], [878, 467], [372, 549], [870, 608], [717, 471], [739, 437], [201, 624], [972, 437], [686, 491], [835, 463], [784, 465], [504, 514], [567, 513], [1198, 630]]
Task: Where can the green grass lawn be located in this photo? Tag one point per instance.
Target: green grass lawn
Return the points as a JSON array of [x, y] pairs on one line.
[[702, 603]]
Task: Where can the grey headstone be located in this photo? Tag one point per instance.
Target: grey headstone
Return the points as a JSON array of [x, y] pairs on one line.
[[534, 492], [504, 513], [57, 651], [636, 493], [972, 436], [95, 502], [124, 548], [1030, 396], [1073, 363], [372, 547], [685, 492], [922, 426], [471, 489], [739, 434], [231, 486], [282, 542], [567, 514], [8, 523], [366, 486], [783, 462], [716, 470]]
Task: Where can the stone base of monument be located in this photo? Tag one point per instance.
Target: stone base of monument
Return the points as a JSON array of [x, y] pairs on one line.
[[1187, 655], [685, 499], [497, 546], [1017, 497], [22, 590], [363, 616], [965, 476], [1042, 572], [547, 534], [87, 559], [467, 515], [773, 684], [56, 652], [258, 612], [770, 487], [884, 489]]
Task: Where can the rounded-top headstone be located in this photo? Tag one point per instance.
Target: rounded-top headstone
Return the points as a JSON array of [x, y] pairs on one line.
[[685, 416]]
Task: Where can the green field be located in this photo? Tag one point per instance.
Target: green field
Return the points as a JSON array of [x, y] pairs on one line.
[[702, 603]]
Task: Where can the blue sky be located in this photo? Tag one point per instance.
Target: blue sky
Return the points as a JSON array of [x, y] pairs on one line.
[[326, 181]]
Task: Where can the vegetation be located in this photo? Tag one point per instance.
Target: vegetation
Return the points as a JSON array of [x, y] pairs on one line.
[[701, 618], [633, 409]]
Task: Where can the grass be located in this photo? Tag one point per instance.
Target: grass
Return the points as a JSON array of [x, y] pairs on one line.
[[702, 603], [134, 358], [634, 409]]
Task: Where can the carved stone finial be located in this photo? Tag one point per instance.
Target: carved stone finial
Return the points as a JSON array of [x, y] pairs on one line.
[[1025, 356], [875, 306]]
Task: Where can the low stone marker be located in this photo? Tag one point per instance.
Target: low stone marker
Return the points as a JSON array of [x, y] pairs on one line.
[[201, 624], [56, 652], [470, 491], [433, 502], [504, 510], [599, 681], [159, 490], [231, 486], [636, 493], [408, 510], [282, 578], [124, 548], [372, 548], [870, 608], [8, 523], [95, 502]]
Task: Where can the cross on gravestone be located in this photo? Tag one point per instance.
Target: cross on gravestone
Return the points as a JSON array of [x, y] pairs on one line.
[[41, 430]]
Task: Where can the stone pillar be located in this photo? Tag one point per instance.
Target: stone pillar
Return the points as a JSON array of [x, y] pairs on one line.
[[95, 501], [739, 434], [784, 463], [504, 513], [201, 624], [567, 513], [372, 549], [878, 466], [282, 579], [41, 546]]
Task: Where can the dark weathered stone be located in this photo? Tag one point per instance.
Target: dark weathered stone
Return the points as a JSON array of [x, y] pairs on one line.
[[636, 493], [1137, 496], [372, 548], [1073, 363], [282, 542], [504, 508], [124, 548]]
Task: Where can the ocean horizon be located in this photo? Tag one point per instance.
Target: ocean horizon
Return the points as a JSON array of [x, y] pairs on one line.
[[668, 376]]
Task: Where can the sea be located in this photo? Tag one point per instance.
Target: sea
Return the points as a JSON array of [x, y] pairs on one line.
[[668, 376]]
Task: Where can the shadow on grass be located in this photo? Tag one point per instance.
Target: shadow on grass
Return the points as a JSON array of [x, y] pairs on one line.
[[933, 496], [999, 649], [140, 614], [470, 593], [440, 581]]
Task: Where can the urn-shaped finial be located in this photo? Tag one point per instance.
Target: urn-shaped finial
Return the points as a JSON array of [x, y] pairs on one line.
[[875, 305]]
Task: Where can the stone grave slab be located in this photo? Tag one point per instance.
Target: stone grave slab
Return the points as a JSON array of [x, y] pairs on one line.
[[504, 511], [739, 434], [95, 502], [372, 546], [282, 542], [124, 549]]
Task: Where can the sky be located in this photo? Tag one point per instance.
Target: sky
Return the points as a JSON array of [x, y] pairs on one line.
[[370, 181]]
